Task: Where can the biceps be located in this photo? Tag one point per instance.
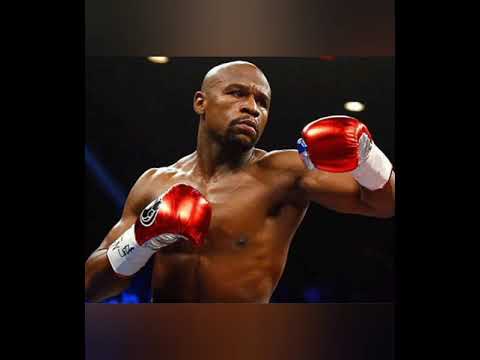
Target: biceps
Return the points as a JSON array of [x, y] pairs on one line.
[[344, 203], [338, 192]]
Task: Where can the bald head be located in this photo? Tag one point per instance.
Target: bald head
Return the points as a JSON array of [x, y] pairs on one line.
[[232, 93], [220, 73]]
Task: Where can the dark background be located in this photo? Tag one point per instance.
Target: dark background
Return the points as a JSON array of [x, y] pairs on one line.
[[139, 115]]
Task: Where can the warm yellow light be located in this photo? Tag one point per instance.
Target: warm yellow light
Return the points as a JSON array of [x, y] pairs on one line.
[[354, 106], [158, 59]]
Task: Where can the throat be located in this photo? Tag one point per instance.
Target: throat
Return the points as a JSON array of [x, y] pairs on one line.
[[216, 165]]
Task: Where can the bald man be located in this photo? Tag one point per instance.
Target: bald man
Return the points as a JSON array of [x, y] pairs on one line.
[[219, 222]]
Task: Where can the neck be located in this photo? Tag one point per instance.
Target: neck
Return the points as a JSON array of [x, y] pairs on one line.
[[214, 158]]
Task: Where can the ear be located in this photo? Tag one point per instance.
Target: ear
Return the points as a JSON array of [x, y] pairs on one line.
[[199, 102]]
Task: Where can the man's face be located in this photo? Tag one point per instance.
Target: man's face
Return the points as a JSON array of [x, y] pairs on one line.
[[236, 105]]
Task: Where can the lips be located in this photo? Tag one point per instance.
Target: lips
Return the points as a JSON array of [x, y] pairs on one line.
[[248, 125]]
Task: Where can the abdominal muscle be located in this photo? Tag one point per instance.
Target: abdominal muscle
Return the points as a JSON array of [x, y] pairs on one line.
[[241, 273]]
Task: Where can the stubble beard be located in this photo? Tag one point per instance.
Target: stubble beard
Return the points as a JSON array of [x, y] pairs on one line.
[[232, 141], [238, 142]]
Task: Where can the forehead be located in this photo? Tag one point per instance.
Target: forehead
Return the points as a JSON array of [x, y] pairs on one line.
[[247, 75]]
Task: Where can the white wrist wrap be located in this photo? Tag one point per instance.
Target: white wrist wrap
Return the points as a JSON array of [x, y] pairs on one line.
[[374, 172], [126, 256]]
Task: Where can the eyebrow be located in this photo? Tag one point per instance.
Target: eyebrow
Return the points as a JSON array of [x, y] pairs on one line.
[[245, 87]]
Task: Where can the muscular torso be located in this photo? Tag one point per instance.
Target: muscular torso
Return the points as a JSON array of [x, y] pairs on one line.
[[255, 215]]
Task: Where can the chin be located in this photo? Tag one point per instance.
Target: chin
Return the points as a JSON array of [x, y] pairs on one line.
[[241, 141]]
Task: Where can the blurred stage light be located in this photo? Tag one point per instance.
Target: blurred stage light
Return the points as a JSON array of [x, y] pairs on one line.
[[105, 179], [311, 295], [158, 59], [124, 298], [354, 106]]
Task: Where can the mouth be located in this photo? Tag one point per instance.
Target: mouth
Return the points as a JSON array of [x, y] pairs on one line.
[[248, 126]]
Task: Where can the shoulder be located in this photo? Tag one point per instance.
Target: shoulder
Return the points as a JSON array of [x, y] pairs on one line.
[[287, 161], [153, 175], [164, 173], [140, 193], [148, 183], [285, 169]]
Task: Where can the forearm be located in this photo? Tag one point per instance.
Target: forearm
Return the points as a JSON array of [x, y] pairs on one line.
[[101, 282], [360, 178], [381, 201]]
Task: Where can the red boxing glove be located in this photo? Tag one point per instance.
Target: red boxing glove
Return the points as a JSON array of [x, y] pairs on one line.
[[182, 212], [340, 144], [333, 142]]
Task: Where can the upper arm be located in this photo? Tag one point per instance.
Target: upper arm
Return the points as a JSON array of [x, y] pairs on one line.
[[336, 191], [136, 201]]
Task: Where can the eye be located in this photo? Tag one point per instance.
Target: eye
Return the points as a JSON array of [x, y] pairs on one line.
[[236, 93], [262, 102]]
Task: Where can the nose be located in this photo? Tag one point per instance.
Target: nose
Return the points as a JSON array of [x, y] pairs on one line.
[[250, 107]]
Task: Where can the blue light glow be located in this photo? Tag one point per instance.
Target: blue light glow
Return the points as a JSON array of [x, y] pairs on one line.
[[312, 295], [105, 179]]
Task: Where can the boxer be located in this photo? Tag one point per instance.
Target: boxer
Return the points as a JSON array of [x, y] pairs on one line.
[[218, 223]]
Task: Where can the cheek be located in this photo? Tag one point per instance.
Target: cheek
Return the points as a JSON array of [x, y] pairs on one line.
[[225, 113], [219, 117], [221, 107], [264, 122]]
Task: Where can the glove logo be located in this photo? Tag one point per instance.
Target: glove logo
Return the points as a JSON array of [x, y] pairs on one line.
[[148, 214], [127, 249]]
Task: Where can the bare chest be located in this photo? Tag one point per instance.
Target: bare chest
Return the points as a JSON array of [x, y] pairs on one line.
[[246, 246], [241, 204]]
